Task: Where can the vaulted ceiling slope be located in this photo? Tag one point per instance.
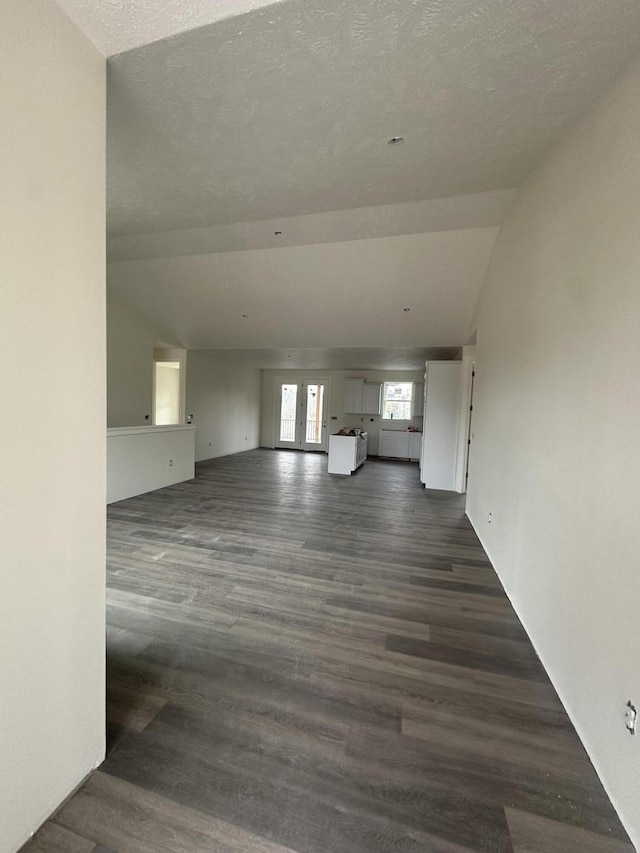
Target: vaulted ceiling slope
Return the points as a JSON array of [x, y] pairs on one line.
[[118, 26], [286, 110], [479, 210], [249, 171], [347, 294]]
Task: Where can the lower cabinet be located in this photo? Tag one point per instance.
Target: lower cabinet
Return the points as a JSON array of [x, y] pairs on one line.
[[415, 445], [346, 453], [403, 445]]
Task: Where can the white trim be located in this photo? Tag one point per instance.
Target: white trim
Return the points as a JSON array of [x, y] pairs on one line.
[[466, 387], [134, 430]]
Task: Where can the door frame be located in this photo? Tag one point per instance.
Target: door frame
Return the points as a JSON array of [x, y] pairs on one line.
[[302, 380], [467, 387]]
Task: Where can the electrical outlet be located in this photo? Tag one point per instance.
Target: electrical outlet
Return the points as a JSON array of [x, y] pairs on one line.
[[489, 517], [631, 717], [171, 463]]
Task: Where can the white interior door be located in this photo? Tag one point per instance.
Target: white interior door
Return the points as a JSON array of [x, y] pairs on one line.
[[301, 415]]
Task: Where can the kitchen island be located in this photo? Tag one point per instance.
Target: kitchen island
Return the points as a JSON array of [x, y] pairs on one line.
[[346, 453]]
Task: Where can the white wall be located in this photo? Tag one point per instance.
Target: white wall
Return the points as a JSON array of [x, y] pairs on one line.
[[556, 457], [52, 447], [142, 459], [130, 340], [336, 414], [224, 399]]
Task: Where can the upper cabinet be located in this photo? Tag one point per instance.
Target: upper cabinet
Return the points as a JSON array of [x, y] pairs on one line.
[[361, 398], [353, 391], [371, 399]]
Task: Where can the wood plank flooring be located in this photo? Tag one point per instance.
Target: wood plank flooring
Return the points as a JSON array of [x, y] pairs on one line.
[[300, 663]]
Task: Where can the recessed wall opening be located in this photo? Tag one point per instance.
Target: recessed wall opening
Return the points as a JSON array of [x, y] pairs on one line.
[[166, 396]]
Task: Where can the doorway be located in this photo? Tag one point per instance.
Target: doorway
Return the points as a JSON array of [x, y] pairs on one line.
[[167, 385], [301, 414]]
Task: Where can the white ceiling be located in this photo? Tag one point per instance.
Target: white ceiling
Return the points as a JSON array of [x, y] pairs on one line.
[[234, 119], [349, 294], [286, 110], [336, 358], [479, 210], [118, 25]]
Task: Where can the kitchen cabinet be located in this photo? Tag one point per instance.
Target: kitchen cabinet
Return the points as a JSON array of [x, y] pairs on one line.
[[400, 444], [386, 443], [371, 399], [353, 391], [346, 453], [361, 398]]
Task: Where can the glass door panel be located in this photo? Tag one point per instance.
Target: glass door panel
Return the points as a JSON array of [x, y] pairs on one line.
[[287, 434], [302, 420], [315, 417]]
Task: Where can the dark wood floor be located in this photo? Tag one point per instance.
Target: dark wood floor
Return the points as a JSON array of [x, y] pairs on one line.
[[299, 662]]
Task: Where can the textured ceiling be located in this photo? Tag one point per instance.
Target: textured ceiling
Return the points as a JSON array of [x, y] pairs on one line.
[[390, 220], [286, 110], [117, 26], [338, 358], [233, 119], [320, 296]]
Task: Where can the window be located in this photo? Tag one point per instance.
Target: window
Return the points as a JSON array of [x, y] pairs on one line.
[[396, 401]]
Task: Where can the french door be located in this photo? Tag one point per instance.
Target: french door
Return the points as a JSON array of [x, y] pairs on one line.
[[301, 414]]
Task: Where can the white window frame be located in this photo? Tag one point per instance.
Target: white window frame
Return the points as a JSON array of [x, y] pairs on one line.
[[383, 400]]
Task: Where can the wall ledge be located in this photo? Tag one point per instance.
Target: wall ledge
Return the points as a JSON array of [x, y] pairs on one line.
[[146, 430]]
